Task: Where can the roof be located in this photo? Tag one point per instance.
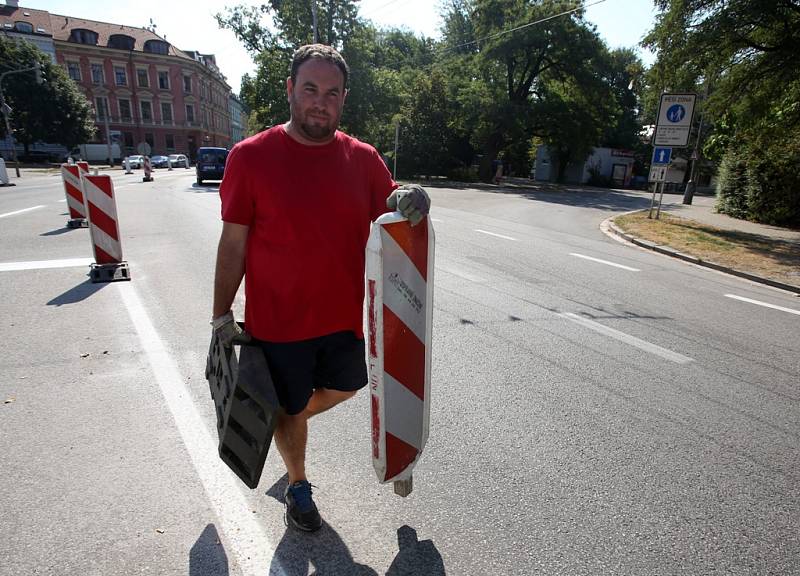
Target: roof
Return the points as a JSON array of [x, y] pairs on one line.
[[60, 27]]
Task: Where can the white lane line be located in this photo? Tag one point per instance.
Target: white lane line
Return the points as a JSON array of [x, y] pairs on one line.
[[604, 262], [21, 211], [436, 220], [765, 304], [247, 539], [628, 339], [460, 272], [497, 235], [43, 264]]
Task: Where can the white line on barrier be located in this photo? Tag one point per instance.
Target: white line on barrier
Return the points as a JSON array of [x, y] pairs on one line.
[[21, 211], [605, 262], [765, 304], [248, 540], [497, 235], [43, 264], [627, 339]]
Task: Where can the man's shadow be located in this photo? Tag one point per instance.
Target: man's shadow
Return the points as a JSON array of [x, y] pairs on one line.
[[329, 555]]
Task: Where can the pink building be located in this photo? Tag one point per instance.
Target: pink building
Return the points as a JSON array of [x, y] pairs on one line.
[[143, 88]]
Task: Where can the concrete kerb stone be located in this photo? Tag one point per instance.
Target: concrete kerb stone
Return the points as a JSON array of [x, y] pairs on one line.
[[608, 227]]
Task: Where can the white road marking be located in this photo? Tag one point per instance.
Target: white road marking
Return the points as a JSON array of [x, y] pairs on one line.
[[43, 264], [436, 220], [248, 540], [765, 304], [497, 235], [21, 211], [605, 262], [64, 200], [461, 273], [628, 339]]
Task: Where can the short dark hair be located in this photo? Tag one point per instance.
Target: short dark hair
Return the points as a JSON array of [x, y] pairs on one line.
[[319, 52]]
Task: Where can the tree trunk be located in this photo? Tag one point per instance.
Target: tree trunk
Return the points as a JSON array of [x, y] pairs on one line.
[[485, 172]]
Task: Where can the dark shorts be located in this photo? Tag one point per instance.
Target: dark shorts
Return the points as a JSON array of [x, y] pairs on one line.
[[335, 361]]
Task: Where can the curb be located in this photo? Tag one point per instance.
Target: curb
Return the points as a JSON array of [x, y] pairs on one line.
[[609, 224]]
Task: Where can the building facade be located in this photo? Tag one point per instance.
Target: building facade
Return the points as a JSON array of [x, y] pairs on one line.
[[143, 89], [238, 119]]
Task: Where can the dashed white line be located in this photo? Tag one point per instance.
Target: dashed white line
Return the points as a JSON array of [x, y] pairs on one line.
[[604, 262], [248, 540], [765, 304], [628, 339], [496, 235], [44, 264], [21, 211]]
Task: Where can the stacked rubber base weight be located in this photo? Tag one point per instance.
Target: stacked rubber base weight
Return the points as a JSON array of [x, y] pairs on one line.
[[246, 407]]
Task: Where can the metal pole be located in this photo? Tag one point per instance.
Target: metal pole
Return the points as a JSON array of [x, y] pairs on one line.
[[396, 141], [5, 109], [660, 198], [314, 17], [653, 200], [108, 133]]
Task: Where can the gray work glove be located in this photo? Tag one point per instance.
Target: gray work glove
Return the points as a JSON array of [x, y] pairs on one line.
[[228, 331], [411, 201]]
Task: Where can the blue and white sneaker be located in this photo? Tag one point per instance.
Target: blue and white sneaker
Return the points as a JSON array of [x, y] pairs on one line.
[[300, 508]]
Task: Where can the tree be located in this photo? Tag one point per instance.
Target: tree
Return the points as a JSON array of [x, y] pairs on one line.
[[743, 53], [53, 111], [513, 66]]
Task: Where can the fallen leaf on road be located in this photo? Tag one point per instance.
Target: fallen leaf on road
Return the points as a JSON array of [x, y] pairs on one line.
[[85, 355], [160, 530], [9, 400], [105, 351]]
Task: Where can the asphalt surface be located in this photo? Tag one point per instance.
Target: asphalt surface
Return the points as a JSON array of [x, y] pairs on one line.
[[597, 408]]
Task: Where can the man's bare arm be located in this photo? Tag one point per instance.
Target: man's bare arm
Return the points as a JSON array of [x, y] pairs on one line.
[[230, 266]]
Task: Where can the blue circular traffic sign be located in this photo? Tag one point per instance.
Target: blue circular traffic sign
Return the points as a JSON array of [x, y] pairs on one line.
[[676, 113]]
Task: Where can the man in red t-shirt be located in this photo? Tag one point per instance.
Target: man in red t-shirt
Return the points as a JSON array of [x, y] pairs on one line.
[[297, 202]]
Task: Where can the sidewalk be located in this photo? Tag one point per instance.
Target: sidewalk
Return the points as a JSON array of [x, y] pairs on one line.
[[702, 211]]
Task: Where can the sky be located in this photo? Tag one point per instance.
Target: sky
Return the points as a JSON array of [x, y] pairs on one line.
[[191, 25]]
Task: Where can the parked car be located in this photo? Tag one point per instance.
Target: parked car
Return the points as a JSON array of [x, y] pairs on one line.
[[178, 160], [210, 163], [136, 161], [159, 161]]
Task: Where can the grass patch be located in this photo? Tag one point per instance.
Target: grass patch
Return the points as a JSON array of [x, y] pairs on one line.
[[761, 255]]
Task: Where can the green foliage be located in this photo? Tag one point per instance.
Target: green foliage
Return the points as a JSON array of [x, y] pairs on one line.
[[743, 53], [54, 111], [456, 100]]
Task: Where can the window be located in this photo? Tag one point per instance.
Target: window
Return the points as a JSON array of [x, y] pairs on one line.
[[128, 138], [189, 113], [120, 76], [170, 139], [166, 113], [142, 77], [74, 71], [187, 84], [148, 137], [97, 74], [156, 47], [147, 111], [125, 109], [81, 36], [163, 80], [25, 27], [101, 105], [121, 42]]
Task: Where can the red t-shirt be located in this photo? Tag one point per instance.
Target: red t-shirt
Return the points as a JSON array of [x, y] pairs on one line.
[[309, 210]]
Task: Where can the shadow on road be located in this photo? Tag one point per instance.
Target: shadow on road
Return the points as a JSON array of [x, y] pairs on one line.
[[58, 231], [205, 187], [207, 557], [329, 555], [78, 293]]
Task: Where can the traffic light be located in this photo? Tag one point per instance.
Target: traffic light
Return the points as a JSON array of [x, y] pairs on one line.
[[38, 71]]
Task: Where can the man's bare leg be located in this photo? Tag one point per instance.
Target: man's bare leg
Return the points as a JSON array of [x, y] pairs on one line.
[[291, 432]]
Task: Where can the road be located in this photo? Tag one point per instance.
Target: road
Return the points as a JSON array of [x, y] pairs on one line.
[[597, 408]]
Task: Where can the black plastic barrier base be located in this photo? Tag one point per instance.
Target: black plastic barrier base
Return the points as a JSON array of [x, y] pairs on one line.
[[77, 223], [110, 272], [246, 406]]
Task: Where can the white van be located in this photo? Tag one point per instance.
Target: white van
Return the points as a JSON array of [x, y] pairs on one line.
[[95, 153]]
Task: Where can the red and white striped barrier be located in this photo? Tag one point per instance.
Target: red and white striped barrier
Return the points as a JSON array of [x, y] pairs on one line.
[[83, 165], [73, 189], [400, 314], [148, 170], [106, 243]]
